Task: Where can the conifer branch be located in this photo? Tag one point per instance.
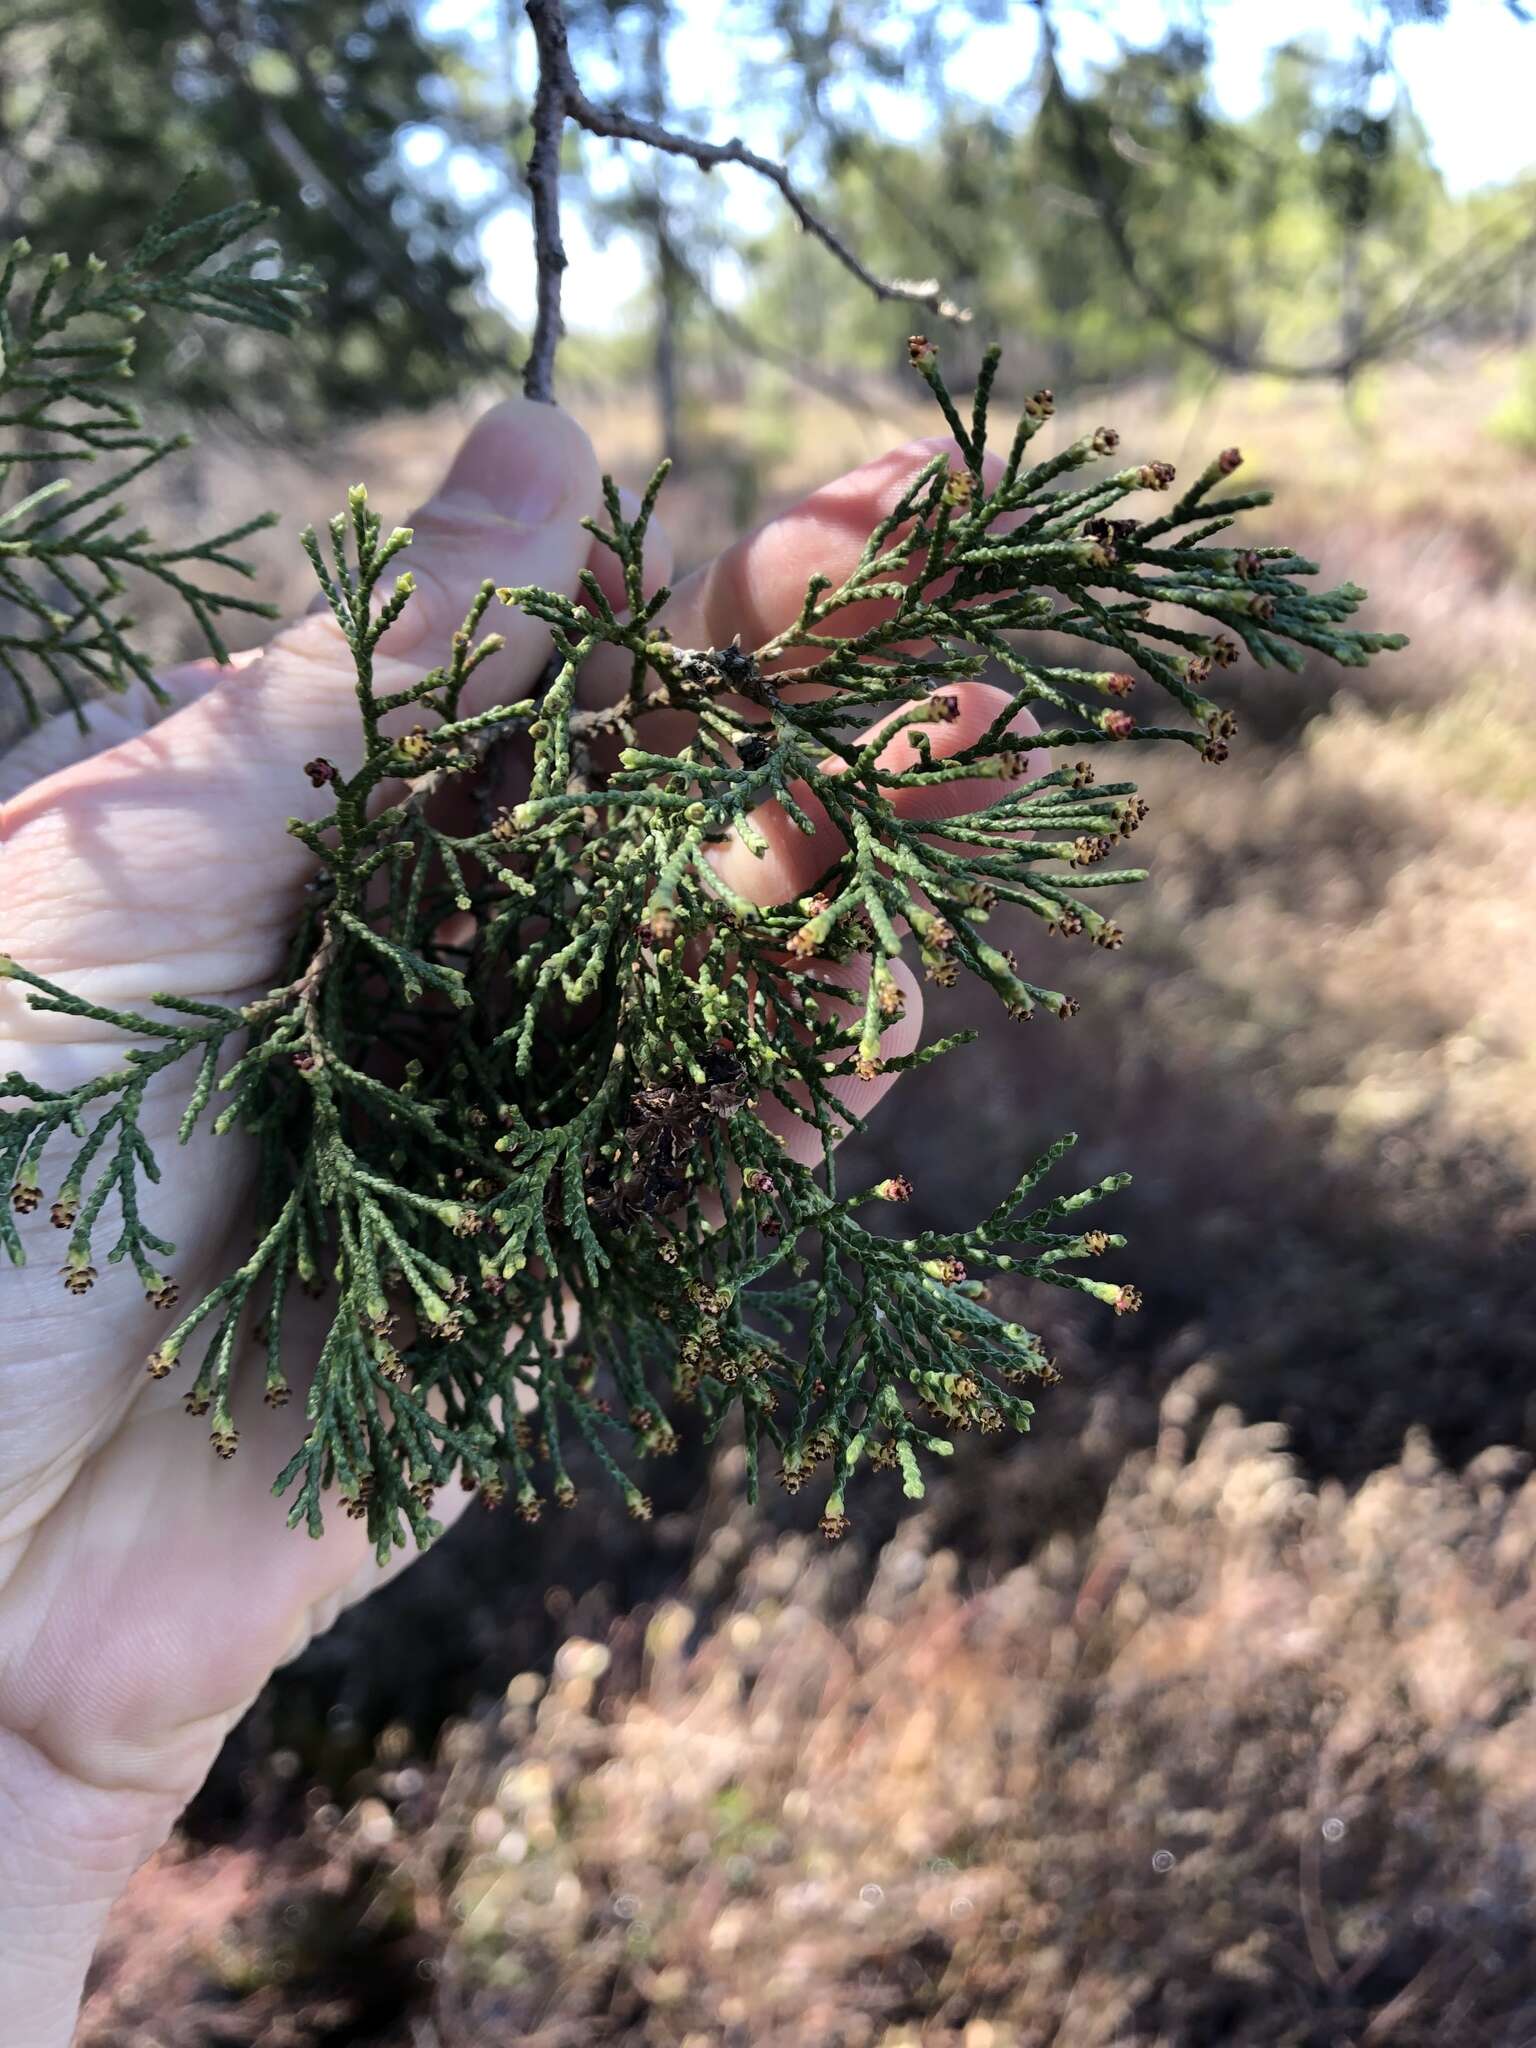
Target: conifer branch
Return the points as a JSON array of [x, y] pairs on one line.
[[68, 561], [513, 1084]]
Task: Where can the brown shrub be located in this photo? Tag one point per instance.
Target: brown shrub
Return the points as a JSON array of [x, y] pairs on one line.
[[1245, 1763]]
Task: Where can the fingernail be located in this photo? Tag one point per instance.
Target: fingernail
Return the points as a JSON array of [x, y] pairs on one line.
[[512, 467]]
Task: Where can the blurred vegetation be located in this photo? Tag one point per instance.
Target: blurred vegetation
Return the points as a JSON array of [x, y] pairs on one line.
[[1515, 420], [1244, 1762], [1116, 224], [303, 106], [1132, 228]]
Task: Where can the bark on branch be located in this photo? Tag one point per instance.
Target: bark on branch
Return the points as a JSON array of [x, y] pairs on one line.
[[559, 98], [549, 111]]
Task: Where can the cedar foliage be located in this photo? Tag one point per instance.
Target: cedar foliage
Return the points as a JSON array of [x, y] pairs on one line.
[[68, 334], [505, 1107]]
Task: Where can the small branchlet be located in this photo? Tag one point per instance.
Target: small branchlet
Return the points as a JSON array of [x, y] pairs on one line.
[[514, 1086], [68, 558]]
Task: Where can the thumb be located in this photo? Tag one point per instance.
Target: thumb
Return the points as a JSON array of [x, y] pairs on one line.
[[508, 511], [206, 792]]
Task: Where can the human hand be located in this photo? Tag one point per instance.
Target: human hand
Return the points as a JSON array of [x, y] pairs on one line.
[[147, 1590]]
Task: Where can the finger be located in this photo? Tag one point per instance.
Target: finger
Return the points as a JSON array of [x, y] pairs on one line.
[[59, 741], [603, 679], [756, 587], [439, 527], [794, 860], [859, 1098], [508, 511]]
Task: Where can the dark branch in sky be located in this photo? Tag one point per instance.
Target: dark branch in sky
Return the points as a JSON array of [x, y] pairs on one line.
[[560, 98], [549, 112]]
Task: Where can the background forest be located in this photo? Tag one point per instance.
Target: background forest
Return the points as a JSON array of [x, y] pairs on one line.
[[1208, 1714]]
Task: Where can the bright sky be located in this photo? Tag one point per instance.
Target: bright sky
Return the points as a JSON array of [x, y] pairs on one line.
[[1472, 81]]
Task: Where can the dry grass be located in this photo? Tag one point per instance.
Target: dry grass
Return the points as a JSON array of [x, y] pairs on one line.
[[1248, 1761], [736, 1791]]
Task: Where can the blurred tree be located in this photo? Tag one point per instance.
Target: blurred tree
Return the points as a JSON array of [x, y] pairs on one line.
[[1288, 242], [1126, 224], [1115, 223], [961, 222], [303, 105], [631, 39]]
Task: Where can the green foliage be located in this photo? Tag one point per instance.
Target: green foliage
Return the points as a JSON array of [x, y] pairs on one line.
[[67, 340], [381, 137], [513, 1111], [1109, 223]]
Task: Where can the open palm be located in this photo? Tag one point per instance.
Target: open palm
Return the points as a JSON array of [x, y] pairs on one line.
[[147, 1590]]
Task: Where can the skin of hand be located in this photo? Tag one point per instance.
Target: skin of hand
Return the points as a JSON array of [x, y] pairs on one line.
[[147, 1589]]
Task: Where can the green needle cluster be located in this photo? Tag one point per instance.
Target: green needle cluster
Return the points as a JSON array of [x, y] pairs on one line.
[[506, 1115]]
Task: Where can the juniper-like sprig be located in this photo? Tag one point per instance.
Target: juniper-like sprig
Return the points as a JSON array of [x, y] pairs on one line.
[[507, 1110], [68, 559]]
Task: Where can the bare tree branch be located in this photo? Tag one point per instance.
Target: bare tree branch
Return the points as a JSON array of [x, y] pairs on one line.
[[560, 98], [549, 112]]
